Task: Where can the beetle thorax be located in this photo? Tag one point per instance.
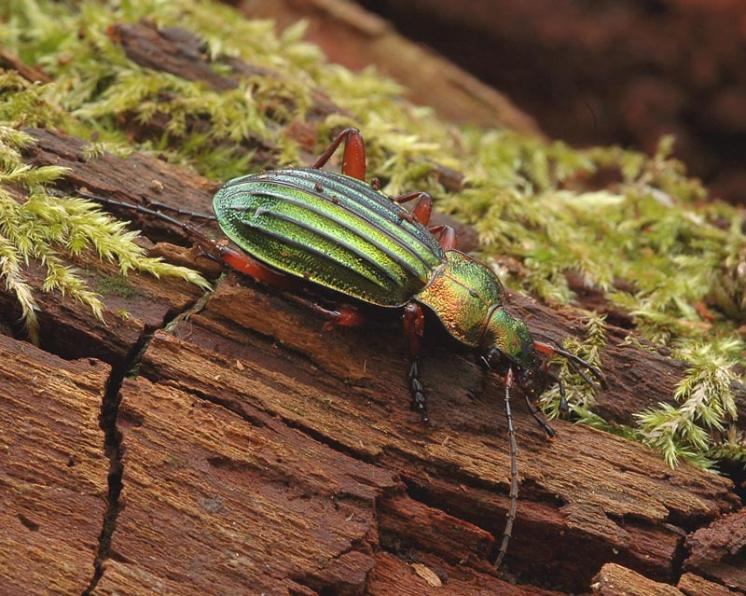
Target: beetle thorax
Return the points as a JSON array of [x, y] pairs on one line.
[[464, 294]]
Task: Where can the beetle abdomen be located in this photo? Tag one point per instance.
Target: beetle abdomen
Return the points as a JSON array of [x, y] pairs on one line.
[[331, 229]]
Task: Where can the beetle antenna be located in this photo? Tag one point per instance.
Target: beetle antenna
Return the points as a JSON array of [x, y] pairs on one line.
[[190, 229], [575, 362], [578, 371], [510, 517]]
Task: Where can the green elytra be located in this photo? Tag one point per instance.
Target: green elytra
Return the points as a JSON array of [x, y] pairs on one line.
[[338, 232]]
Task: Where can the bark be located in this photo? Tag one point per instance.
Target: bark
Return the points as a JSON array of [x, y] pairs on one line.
[[249, 450], [52, 469], [615, 580]]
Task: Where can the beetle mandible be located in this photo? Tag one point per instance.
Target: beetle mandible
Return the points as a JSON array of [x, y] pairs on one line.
[[337, 231]]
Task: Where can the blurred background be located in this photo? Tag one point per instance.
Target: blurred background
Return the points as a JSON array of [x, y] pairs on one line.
[[585, 71]]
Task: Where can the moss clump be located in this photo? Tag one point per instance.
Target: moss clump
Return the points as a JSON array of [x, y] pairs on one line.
[[682, 260], [116, 286], [37, 225]]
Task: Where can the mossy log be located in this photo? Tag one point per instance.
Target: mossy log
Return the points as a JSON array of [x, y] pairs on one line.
[[251, 451]]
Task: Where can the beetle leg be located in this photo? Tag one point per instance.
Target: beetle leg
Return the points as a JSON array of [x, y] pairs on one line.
[[195, 214], [510, 517], [353, 159], [422, 209], [446, 236], [243, 263], [545, 426], [414, 329], [563, 405], [343, 315]]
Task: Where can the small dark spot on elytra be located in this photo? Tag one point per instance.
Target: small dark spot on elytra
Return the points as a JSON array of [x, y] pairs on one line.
[[473, 293], [335, 200], [318, 187], [31, 525], [71, 461]]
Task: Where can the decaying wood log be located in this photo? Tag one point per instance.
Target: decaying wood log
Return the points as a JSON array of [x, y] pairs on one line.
[[52, 469], [253, 451], [261, 450], [615, 580], [719, 551], [694, 585]]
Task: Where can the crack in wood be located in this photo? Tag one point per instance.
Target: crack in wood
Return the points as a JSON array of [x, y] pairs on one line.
[[113, 444]]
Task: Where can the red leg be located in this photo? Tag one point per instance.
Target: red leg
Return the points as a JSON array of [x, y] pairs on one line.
[[343, 315], [243, 263], [422, 209], [414, 329], [446, 236], [353, 160]]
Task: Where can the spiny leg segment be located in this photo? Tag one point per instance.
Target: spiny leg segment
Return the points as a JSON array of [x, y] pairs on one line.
[[414, 329]]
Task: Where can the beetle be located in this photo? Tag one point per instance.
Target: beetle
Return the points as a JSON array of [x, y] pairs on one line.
[[336, 231]]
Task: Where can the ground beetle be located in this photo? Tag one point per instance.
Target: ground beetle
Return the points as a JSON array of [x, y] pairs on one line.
[[336, 231]]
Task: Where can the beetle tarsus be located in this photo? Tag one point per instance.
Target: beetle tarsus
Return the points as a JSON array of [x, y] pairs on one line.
[[417, 389], [545, 426], [564, 407], [197, 234]]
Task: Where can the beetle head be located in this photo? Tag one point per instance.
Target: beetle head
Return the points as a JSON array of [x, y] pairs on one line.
[[510, 337], [529, 373]]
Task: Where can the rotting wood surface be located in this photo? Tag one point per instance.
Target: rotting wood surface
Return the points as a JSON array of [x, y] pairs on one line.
[[259, 450], [251, 450]]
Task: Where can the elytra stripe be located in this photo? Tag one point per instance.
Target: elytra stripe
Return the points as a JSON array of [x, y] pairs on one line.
[[385, 203], [360, 194], [370, 227], [393, 231], [330, 237], [312, 249]]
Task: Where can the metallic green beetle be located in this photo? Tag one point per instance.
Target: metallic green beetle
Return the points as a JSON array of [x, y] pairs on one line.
[[334, 230]]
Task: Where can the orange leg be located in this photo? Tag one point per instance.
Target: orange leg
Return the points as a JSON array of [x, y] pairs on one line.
[[422, 209], [343, 315], [446, 236], [243, 263], [353, 160]]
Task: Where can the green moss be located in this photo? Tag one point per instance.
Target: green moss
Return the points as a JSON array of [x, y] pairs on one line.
[[116, 286], [528, 199], [37, 225]]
